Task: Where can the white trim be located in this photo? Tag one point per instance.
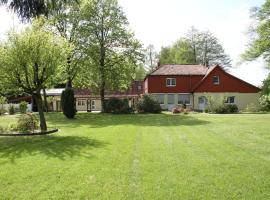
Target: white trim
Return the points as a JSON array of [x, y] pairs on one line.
[[171, 81]]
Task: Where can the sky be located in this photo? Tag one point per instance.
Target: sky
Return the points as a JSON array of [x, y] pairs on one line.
[[161, 22]]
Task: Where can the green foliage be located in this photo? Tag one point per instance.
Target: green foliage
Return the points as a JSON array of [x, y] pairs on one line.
[[259, 45], [197, 47], [226, 109], [111, 52], [251, 108], [266, 86], [23, 107], [3, 100], [140, 73], [210, 104], [11, 110], [28, 9], [27, 123], [148, 104], [68, 103], [30, 60], [265, 102], [117, 106]]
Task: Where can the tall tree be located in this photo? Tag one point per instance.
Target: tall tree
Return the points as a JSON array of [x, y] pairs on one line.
[[197, 47], [28, 9], [65, 22], [112, 52], [259, 46], [151, 58], [29, 61]]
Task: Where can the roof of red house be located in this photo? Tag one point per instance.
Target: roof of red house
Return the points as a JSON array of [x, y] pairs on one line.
[[180, 70]]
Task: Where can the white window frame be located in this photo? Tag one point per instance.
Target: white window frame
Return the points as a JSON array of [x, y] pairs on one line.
[[216, 83], [163, 98], [170, 79], [184, 94], [173, 99], [93, 106], [227, 100]]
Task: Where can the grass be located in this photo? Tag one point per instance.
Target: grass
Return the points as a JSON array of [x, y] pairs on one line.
[[100, 156]]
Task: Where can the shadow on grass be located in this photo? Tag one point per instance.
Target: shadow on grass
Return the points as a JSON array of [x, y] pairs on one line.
[[61, 147], [105, 120]]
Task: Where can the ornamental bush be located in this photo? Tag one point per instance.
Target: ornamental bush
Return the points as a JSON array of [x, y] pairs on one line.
[[68, 103], [265, 102], [148, 104], [23, 107], [28, 123], [11, 110], [226, 109], [117, 106]]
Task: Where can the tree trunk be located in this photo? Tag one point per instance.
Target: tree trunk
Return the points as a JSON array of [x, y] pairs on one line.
[[45, 100], [102, 96], [69, 83], [43, 125]]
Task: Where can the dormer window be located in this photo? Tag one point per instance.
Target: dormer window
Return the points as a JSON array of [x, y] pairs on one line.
[[170, 82], [216, 80]]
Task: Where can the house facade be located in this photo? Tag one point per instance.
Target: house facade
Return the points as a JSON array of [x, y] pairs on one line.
[[175, 85], [87, 100]]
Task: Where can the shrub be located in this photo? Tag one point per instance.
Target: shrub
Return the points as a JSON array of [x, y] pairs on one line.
[[251, 108], [28, 123], [148, 104], [265, 102], [23, 107], [226, 109], [117, 106], [11, 110], [68, 103]]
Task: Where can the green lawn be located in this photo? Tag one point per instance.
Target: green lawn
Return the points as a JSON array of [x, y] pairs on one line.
[[98, 156]]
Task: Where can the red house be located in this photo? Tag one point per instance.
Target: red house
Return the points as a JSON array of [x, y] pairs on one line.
[[173, 85]]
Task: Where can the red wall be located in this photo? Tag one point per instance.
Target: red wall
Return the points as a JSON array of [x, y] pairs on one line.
[[184, 84], [228, 83]]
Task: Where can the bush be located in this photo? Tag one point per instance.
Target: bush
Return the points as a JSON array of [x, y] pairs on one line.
[[226, 109], [2, 111], [11, 110], [265, 102], [117, 106], [148, 104], [23, 107], [28, 123], [68, 103]]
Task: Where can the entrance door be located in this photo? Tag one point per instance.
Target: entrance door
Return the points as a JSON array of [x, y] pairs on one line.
[[202, 103]]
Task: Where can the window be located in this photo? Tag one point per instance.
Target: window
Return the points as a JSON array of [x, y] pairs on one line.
[[184, 99], [81, 102], [160, 98], [139, 87], [216, 80], [230, 100], [171, 82], [170, 98], [93, 105]]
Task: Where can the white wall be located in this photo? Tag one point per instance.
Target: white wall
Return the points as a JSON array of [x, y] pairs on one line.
[[16, 106]]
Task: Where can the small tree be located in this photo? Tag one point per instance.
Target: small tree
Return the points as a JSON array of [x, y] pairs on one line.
[[29, 61], [68, 103], [3, 100], [23, 107]]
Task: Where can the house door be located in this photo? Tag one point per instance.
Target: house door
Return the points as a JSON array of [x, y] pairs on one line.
[[202, 103]]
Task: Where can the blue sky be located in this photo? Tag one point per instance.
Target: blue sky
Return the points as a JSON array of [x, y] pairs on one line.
[[161, 22]]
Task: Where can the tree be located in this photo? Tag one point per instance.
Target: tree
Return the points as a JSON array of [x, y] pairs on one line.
[[140, 73], [68, 103], [111, 51], [151, 58], [65, 22], [30, 60], [259, 46], [197, 47], [28, 9], [266, 86]]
